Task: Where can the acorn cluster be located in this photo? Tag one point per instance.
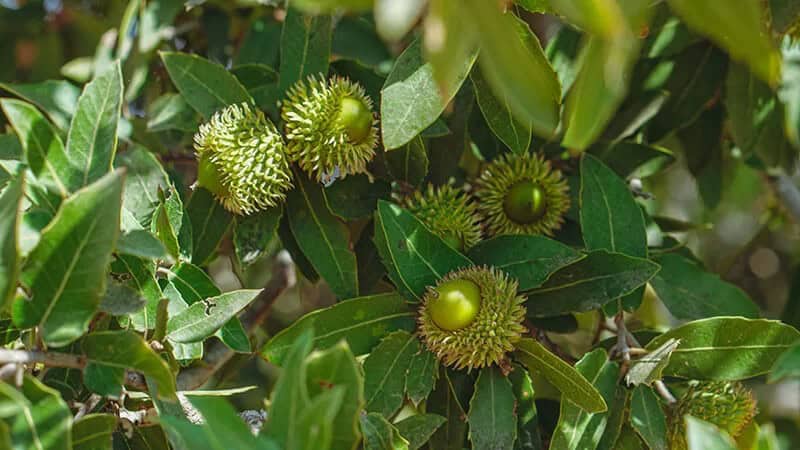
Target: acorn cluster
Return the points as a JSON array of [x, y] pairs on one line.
[[472, 317], [726, 404], [244, 160]]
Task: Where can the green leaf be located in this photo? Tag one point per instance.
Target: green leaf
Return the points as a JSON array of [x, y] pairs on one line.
[[379, 434], [141, 274], [10, 204], [562, 53], [156, 19], [422, 373], [362, 322], [414, 257], [410, 99], [93, 432], [176, 304], [694, 80], [210, 222], [789, 93], [726, 348], [261, 83], [44, 151], [92, 138], [126, 349], [516, 135], [445, 401], [194, 285], [106, 381], [610, 217], [385, 372], [528, 259], [419, 428], [409, 163], [600, 17], [738, 31], [57, 98], [492, 419], [393, 20], [333, 367], [223, 422], [626, 157], [305, 47], [577, 428], [141, 243], [36, 416], [690, 293], [589, 283], [787, 365], [356, 197], [648, 419], [514, 64], [701, 435], [323, 239], [570, 382], [144, 177], [172, 225], [171, 112], [65, 273], [252, 234], [206, 86], [204, 318]]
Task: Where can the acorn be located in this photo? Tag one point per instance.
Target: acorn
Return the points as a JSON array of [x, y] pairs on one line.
[[449, 214], [241, 160], [330, 126], [472, 317], [522, 194], [726, 404]]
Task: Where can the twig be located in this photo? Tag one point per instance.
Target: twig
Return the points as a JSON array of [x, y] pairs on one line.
[[217, 354], [664, 392], [88, 405], [51, 359]]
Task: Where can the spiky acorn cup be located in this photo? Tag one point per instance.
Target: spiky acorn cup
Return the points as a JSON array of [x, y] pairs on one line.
[[329, 125], [472, 318], [522, 194], [449, 214], [241, 160], [726, 404]]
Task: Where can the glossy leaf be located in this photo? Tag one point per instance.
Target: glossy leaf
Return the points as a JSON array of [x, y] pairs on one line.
[[648, 419], [323, 239], [57, 98], [414, 257], [787, 365], [125, 349], [144, 177], [92, 138], [252, 234], [419, 428], [379, 434], [171, 112], [37, 416], [385, 372], [410, 99], [589, 283], [305, 47], [356, 197], [527, 259], [409, 163], [726, 348], [210, 222], [204, 318], [516, 135], [516, 68], [577, 428], [333, 367], [10, 204], [573, 386], [689, 292], [362, 322], [701, 435], [422, 373], [739, 32], [205, 85], [93, 432], [492, 420], [66, 271], [448, 400], [44, 150]]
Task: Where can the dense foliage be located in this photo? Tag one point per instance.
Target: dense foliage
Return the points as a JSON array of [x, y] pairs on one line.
[[444, 224]]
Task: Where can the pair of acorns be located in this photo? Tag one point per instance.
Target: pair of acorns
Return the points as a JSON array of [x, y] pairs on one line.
[[244, 161]]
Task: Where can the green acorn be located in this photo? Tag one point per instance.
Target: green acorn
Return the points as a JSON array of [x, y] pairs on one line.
[[449, 214], [241, 160], [522, 194], [472, 318], [329, 126], [726, 404]]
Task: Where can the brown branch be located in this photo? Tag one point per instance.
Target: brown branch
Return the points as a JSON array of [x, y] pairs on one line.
[[51, 359], [217, 354]]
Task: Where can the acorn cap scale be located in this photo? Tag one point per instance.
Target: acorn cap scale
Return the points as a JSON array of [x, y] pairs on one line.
[[448, 213]]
